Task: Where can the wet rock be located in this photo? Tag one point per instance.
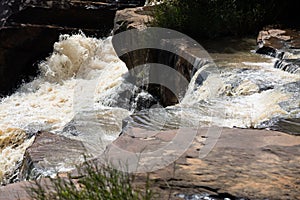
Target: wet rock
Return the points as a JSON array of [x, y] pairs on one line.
[[282, 44], [49, 154], [291, 126], [186, 60], [244, 164]]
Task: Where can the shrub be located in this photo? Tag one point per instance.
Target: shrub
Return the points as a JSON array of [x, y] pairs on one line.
[[212, 18], [101, 183]]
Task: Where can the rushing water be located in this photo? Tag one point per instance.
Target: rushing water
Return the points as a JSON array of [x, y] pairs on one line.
[[78, 85]]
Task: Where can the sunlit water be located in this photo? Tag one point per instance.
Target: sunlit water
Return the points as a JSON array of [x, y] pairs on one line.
[[76, 93]]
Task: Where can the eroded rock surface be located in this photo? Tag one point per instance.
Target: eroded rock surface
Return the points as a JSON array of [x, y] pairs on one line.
[[132, 18], [250, 164]]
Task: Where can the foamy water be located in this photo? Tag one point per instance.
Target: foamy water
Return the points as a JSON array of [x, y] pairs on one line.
[[47, 102], [82, 80]]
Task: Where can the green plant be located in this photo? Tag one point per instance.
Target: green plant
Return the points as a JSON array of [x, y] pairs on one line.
[[213, 18], [95, 183], [170, 14]]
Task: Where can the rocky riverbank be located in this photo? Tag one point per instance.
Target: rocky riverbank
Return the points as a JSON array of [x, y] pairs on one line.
[[249, 164]]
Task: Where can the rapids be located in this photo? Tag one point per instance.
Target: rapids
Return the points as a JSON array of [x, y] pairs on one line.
[[79, 84]]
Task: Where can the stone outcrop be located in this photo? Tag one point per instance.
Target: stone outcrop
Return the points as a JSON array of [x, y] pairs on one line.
[[282, 44], [49, 153], [175, 51], [249, 164]]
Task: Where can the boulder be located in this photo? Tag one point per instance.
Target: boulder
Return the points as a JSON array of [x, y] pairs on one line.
[[49, 154], [132, 18], [15, 191]]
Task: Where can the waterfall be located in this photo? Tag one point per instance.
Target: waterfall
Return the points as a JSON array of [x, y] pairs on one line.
[[288, 65]]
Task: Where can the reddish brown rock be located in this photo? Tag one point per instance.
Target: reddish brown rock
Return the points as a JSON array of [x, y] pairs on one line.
[[253, 164], [23, 190], [282, 44], [132, 18], [274, 42]]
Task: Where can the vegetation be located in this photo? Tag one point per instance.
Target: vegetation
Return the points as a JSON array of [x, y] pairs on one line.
[[96, 183], [212, 18]]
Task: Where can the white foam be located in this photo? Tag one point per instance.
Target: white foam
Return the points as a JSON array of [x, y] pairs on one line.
[[47, 103]]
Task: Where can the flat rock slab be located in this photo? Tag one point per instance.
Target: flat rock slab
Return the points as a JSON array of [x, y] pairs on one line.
[[251, 164]]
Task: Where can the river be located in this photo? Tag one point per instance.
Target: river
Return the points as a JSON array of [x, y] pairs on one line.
[[248, 93]]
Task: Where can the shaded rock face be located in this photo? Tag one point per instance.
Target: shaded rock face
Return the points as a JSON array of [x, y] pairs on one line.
[[244, 164], [162, 94], [48, 153], [291, 126], [283, 45], [9, 7]]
